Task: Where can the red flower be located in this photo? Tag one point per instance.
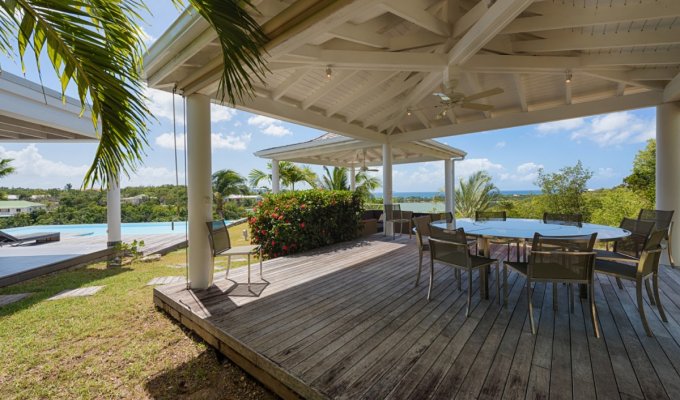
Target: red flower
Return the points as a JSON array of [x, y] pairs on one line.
[[303, 206], [285, 248], [302, 225], [280, 217]]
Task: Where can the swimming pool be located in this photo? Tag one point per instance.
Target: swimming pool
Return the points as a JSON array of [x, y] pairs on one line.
[[128, 228]]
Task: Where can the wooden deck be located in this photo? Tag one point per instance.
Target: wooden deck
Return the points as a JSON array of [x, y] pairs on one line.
[[24, 262], [347, 322]]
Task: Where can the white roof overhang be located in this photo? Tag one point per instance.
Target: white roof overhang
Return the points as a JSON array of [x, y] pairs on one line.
[[32, 113], [388, 57]]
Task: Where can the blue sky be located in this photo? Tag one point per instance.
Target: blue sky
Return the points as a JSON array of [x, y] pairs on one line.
[[606, 144]]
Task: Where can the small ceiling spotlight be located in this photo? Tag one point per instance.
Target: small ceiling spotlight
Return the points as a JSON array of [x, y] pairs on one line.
[[329, 72], [408, 112], [569, 76]]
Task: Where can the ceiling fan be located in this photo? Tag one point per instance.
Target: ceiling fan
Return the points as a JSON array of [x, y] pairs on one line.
[[364, 168], [449, 99]]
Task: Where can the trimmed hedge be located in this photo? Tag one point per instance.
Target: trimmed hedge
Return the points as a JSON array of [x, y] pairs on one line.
[[293, 222]]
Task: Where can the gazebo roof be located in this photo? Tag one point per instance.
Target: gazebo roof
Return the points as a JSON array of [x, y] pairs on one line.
[[336, 150], [32, 113], [387, 57]]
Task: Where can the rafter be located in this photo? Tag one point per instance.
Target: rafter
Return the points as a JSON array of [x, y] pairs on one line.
[[473, 81], [672, 90], [336, 81], [375, 80], [621, 89], [416, 15], [613, 104], [623, 77], [379, 60], [422, 118], [567, 41], [292, 79], [554, 15], [521, 92], [395, 89], [361, 34]]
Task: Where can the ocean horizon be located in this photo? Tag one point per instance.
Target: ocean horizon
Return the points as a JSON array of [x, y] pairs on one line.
[[429, 195]]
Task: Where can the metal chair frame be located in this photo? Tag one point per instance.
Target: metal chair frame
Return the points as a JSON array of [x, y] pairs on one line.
[[659, 223], [498, 216], [220, 243], [394, 214]]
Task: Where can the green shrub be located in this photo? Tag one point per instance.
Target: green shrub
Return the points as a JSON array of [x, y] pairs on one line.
[[292, 222]]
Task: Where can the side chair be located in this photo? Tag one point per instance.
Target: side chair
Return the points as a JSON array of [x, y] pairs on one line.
[[558, 259], [662, 220], [422, 225], [640, 271], [563, 219], [394, 215], [450, 247], [497, 216], [628, 248], [221, 246]]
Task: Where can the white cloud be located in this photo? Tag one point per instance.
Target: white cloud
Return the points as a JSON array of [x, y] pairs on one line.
[[527, 172], [230, 141], [152, 176], [616, 129], [160, 106], [560, 126], [33, 169], [500, 145], [220, 113], [605, 173], [269, 126], [469, 166]]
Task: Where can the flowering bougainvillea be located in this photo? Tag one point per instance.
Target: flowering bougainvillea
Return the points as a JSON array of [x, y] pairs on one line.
[[292, 222]]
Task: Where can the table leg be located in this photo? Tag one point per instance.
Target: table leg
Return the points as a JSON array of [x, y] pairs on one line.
[[484, 272]]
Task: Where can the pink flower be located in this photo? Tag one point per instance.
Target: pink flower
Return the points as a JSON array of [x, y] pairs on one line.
[[302, 225]]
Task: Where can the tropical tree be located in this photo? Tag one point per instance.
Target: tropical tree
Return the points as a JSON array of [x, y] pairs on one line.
[[335, 179], [642, 179], [563, 190], [5, 167], [228, 181], [289, 173], [97, 44], [477, 193]]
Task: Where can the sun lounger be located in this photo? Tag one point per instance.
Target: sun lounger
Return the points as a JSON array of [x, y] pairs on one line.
[[38, 237]]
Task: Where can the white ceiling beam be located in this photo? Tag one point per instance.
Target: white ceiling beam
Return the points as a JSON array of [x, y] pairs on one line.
[[415, 40], [672, 90], [632, 59], [621, 89], [8, 134], [568, 41], [422, 118], [279, 110], [416, 15], [655, 74], [613, 104], [623, 77], [181, 58], [521, 92], [361, 34], [557, 16], [292, 79], [335, 81], [513, 64], [497, 17], [465, 22], [388, 95], [375, 80], [362, 59], [423, 89]]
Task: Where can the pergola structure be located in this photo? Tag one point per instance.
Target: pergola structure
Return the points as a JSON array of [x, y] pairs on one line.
[[32, 113], [332, 149], [367, 70]]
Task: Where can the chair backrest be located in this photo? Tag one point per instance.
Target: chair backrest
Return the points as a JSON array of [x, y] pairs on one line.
[[651, 253], [449, 246], [662, 219], [392, 212], [563, 219], [639, 233], [490, 216], [567, 258], [219, 237], [448, 216], [422, 225]]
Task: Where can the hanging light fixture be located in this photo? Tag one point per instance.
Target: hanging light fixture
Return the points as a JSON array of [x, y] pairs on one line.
[[329, 72], [408, 112], [568, 78]]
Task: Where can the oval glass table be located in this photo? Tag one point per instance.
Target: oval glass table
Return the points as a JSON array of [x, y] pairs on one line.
[[523, 230]]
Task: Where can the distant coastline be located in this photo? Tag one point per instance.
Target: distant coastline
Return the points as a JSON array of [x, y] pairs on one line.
[[430, 195]]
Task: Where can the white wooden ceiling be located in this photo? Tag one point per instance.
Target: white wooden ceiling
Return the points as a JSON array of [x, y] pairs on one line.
[[387, 57]]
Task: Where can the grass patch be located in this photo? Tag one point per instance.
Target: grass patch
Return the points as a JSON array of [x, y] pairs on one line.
[[114, 344]]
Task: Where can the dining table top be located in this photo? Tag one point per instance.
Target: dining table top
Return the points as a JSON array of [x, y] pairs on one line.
[[522, 228]]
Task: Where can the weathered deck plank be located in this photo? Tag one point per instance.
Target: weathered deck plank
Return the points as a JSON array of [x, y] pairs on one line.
[[347, 322]]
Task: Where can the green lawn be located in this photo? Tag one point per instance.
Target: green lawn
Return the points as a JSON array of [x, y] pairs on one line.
[[114, 344]]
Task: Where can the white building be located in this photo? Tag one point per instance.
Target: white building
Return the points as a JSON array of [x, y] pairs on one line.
[[9, 208]]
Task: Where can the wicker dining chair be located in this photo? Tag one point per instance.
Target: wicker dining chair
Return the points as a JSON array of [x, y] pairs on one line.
[[393, 214], [640, 271], [422, 225], [442, 216], [563, 219], [662, 220], [450, 247], [558, 259], [498, 216]]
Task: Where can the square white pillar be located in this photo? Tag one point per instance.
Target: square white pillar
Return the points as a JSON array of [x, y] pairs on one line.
[[668, 167], [113, 229], [449, 177], [387, 182], [276, 179]]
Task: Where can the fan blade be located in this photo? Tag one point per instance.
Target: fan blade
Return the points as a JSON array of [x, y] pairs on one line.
[[442, 96], [477, 106], [481, 95]]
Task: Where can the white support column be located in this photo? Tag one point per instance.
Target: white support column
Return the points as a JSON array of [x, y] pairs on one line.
[[448, 185], [199, 191], [276, 180], [387, 182], [113, 212], [668, 166], [352, 179]]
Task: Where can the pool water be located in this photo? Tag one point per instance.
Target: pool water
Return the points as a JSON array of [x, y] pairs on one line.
[[128, 228]]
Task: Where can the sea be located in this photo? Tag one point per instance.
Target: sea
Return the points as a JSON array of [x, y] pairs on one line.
[[422, 202], [429, 195]]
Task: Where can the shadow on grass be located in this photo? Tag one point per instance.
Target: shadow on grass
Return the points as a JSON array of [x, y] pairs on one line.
[[46, 286], [207, 376]]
